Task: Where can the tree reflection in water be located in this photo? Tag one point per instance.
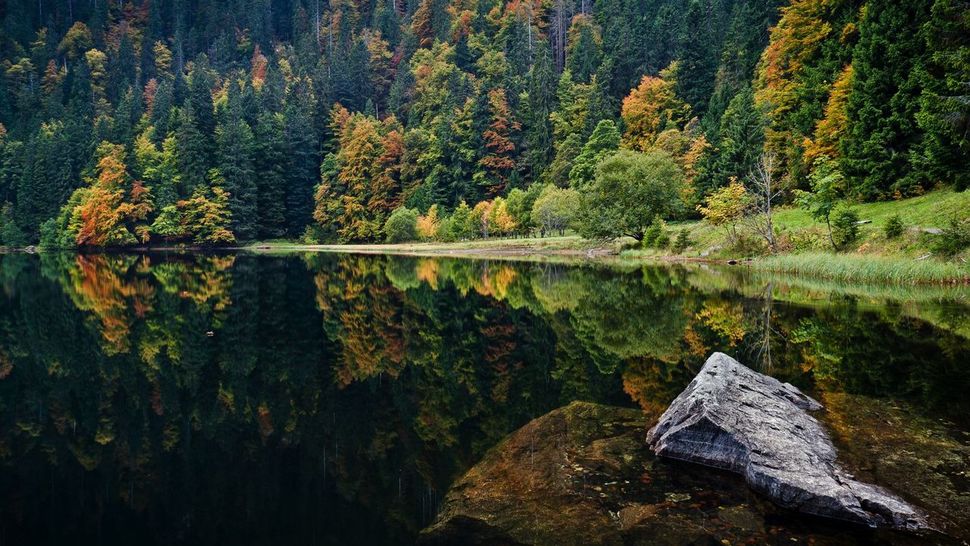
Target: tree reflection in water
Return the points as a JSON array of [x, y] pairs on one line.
[[322, 398]]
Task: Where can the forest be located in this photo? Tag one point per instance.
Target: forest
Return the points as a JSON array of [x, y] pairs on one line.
[[210, 122]]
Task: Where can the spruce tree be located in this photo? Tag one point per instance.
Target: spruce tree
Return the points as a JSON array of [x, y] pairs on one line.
[[944, 114], [234, 141], [884, 99], [191, 152], [740, 144], [270, 169], [540, 102]]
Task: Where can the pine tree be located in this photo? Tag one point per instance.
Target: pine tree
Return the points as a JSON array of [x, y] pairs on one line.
[[740, 144], [539, 103], [604, 141], [234, 140], [877, 151], [270, 170], [944, 115], [302, 171], [583, 54], [191, 151], [695, 82]]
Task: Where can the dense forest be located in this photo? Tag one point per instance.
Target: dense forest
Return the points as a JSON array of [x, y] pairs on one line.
[[211, 122]]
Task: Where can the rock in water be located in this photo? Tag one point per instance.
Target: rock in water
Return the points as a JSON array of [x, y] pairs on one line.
[[734, 418]]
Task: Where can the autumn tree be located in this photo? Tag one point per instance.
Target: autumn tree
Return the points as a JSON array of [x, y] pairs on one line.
[[725, 207], [498, 161], [650, 108]]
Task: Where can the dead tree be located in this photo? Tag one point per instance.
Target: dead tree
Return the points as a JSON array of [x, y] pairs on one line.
[[765, 190]]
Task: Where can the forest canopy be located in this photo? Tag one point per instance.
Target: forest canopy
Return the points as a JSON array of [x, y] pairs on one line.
[[211, 122]]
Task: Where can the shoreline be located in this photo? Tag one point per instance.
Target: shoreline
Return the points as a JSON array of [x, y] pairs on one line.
[[849, 268]]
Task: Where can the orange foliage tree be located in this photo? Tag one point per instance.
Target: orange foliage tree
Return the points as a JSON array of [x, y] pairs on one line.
[[498, 162], [113, 210]]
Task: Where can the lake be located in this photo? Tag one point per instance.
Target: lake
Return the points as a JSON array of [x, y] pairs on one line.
[[334, 399]]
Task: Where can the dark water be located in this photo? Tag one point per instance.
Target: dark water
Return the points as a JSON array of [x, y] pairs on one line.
[[329, 399]]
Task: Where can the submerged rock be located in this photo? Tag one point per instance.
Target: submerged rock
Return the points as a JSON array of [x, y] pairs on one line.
[[560, 479], [734, 418], [582, 474]]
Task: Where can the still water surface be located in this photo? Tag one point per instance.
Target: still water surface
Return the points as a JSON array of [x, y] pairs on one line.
[[332, 399]]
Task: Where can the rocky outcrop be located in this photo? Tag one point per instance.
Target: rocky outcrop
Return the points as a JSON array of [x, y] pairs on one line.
[[734, 418]]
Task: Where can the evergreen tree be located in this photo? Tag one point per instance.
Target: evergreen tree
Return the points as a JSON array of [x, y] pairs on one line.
[[695, 82], [583, 55], [877, 152], [604, 141], [191, 151], [270, 170], [234, 140], [740, 144], [944, 114], [302, 171], [539, 103]]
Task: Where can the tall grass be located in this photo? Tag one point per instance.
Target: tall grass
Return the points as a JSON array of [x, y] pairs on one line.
[[866, 269]]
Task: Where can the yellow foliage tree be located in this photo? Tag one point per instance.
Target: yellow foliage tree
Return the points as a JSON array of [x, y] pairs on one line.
[[650, 108], [429, 223], [835, 123], [726, 207]]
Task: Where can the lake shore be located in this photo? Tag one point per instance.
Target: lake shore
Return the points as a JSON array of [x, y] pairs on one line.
[[847, 267]]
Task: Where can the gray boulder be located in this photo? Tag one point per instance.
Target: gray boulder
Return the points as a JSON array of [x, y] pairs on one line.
[[734, 418]]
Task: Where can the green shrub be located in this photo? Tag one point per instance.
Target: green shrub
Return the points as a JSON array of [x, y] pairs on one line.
[[312, 235], [682, 242], [808, 240], [10, 232], [845, 226], [954, 239], [401, 226], [662, 241], [894, 227], [653, 231], [446, 229]]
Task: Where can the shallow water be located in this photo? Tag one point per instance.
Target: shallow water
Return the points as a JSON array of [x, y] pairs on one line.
[[333, 399]]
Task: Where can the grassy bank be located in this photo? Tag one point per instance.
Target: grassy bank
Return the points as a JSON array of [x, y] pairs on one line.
[[857, 268]]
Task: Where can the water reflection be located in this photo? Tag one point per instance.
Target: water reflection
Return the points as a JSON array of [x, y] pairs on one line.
[[333, 399]]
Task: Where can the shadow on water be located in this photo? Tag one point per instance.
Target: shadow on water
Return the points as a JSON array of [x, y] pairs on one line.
[[334, 399]]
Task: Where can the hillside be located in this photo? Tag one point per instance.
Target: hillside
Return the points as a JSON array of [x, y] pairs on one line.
[[216, 122]]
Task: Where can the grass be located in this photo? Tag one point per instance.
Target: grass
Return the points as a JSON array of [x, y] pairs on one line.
[[564, 243], [932, 210], [856, 268]]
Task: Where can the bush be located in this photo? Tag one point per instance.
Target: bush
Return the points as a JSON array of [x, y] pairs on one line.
[[401, 225], [662, 241], [653, 232], [682, 242], [845, 226], [894, 227], [954, 239]]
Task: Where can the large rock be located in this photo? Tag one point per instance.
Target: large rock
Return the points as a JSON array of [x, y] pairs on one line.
[[734, 418]]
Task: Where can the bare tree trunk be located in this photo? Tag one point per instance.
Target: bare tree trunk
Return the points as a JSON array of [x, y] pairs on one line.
[[762, 182]]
